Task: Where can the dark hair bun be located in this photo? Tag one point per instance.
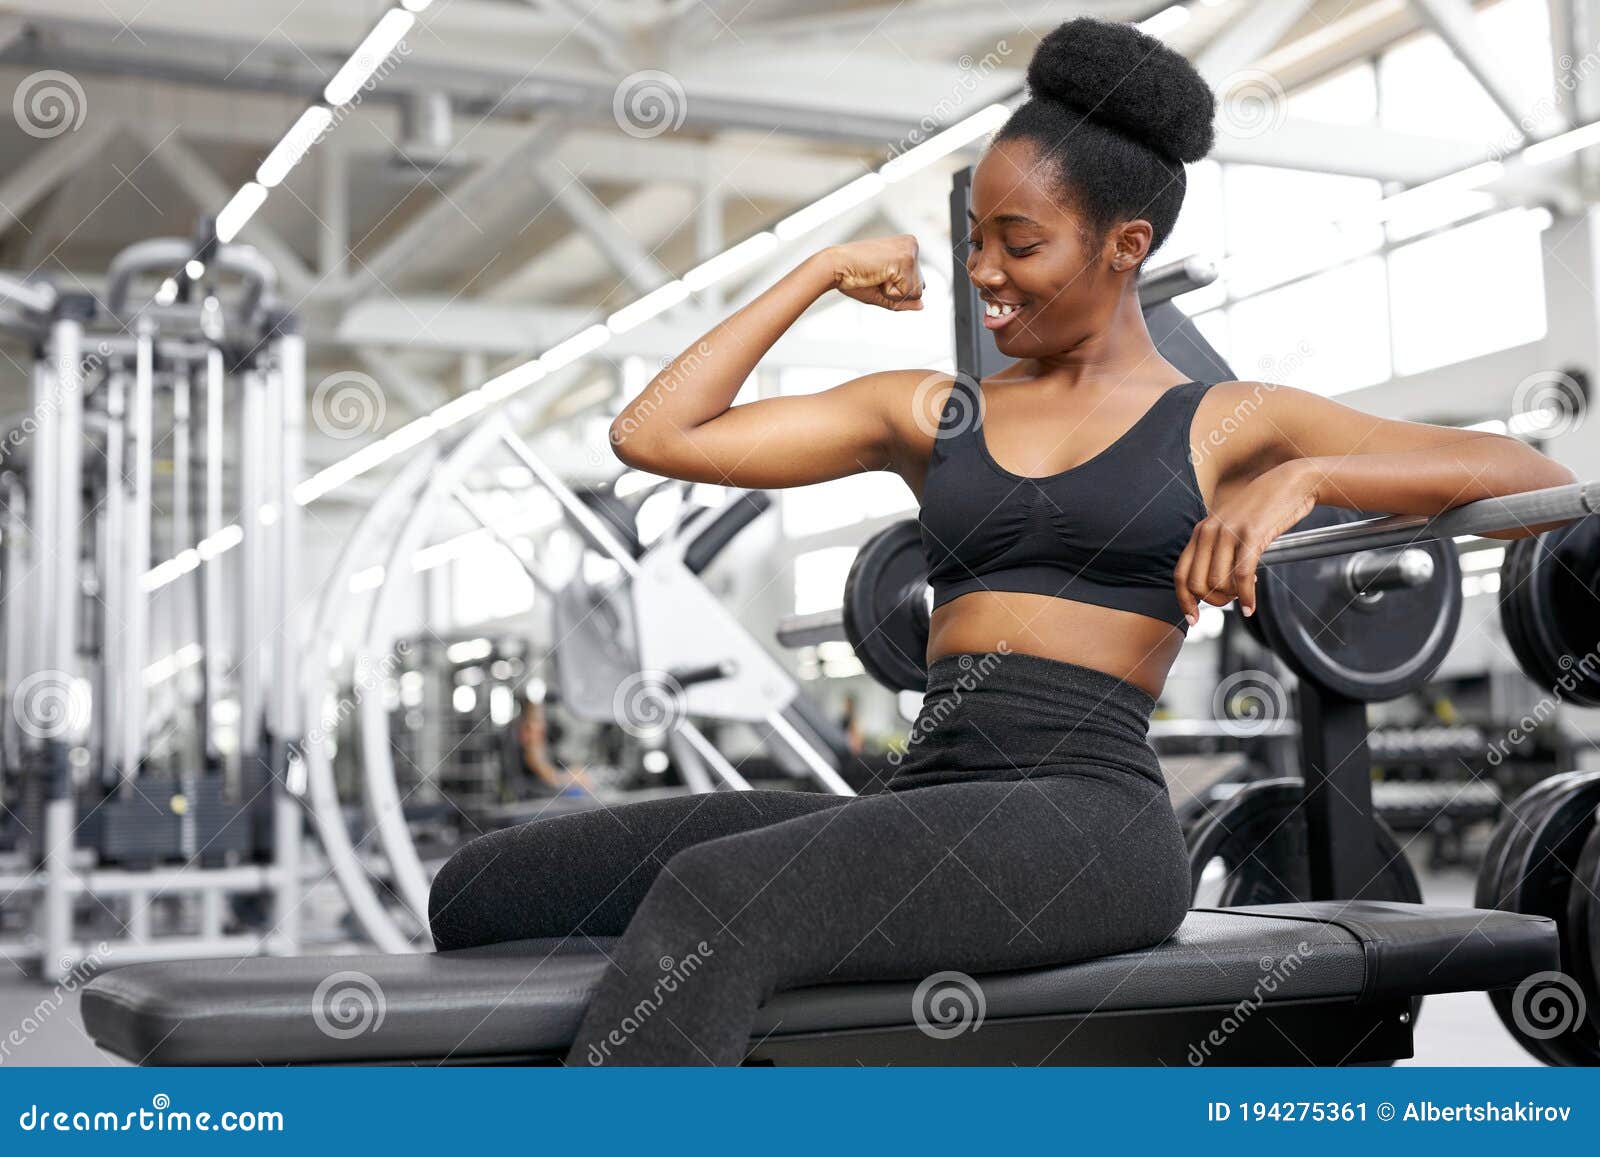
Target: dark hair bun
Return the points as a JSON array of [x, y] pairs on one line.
[[1118, 76]]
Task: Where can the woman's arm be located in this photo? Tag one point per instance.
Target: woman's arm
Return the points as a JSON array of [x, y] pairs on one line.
[[1355, 460], [1298, 450], [683, 423]]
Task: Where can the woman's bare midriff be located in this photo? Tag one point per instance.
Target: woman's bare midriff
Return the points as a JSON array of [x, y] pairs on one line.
[[1134, 648]]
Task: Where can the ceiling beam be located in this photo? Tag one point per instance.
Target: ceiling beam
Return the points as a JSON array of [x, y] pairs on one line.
[[1456, 23], [445, 215], [1350, 150], [1253, 33], [50, 164], [603, 229]]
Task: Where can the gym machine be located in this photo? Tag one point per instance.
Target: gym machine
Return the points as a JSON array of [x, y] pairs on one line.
[[621, 648], [1329, 980], [127, 843]]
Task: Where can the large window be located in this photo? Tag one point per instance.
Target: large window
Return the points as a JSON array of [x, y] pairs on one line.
[[1468, 291], [1313, 293], [819, 578], [1328, 333], [1282, 224]]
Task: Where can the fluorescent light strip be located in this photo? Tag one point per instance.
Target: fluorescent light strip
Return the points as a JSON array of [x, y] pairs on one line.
[[288, 152], [943, 144], [238, 211], [1462, 181], [368, 57], [1562, 144], [858, 191], [748, 251], [166, 667], [657, 301]]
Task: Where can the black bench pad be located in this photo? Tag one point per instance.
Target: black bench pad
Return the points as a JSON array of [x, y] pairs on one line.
[[525, 998]]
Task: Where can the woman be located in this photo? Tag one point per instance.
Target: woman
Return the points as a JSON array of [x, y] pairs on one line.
[[1077, 509]]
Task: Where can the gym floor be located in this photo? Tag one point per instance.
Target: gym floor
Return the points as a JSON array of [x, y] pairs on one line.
[[1455, 1029]]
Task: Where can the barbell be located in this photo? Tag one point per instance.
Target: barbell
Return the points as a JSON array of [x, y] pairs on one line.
[[1366, 606]]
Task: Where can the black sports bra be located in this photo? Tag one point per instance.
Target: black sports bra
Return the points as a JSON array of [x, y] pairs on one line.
[[1108, 531]]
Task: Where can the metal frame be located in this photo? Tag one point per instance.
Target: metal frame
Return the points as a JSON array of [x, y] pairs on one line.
[[44, 577]]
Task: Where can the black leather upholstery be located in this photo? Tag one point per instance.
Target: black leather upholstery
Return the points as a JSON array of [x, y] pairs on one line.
[[525, 998], [1452, 950]]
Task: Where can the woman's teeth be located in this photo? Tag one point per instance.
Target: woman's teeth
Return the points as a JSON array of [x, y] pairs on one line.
[[1001, 310]]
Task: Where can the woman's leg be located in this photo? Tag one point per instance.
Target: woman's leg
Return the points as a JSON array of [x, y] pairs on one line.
[[975, 876], [584, 873]]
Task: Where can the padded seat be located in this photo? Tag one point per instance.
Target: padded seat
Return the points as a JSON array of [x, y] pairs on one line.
[[523, 1000]]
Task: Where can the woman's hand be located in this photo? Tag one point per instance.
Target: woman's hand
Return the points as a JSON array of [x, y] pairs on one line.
[[1219, 564], [880, 271]]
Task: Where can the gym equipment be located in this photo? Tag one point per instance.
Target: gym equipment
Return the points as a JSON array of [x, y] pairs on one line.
[[1582, 931], [1550, 609], [119, 764], [1370, 626], [1539, 863], [1324, 983], [887, 604], [1345, 971], [1259, 836]]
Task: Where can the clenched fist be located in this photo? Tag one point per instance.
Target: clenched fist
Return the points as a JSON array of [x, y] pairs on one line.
[[880, 271]]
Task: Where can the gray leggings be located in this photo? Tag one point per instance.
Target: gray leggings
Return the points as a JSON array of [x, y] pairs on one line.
[[1028, 824]]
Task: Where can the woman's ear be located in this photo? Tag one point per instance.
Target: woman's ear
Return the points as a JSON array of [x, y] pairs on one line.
[[1130, 244]]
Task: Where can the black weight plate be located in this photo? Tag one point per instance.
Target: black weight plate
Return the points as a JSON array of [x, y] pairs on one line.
[[1260, 835], [1542, 665], [1364, 649], [1491, 893], [1564, 609], [887, 631], [1583, 920], [1543, 833], [1497, 886], [1513, 604]]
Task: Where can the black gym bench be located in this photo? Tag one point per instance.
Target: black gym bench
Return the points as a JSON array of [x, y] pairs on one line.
[[1321, 983]]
